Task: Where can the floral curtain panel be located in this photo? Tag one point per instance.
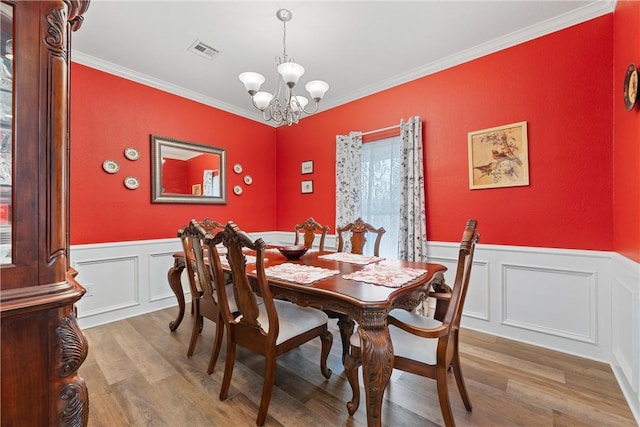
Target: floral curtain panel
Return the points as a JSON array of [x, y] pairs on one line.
[[412, 236], [348, 180]]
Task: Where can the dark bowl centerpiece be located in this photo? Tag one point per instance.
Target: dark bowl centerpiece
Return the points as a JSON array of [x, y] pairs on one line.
[[293, 252]]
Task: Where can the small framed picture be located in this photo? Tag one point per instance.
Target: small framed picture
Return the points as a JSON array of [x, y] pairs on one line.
[[196, 189], [306, 187], [307, 167]]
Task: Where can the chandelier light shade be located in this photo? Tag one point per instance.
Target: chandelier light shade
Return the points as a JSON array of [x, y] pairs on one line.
[[283, 106]]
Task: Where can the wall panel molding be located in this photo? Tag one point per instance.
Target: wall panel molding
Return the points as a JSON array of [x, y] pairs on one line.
[[569, 297], [120, 277]]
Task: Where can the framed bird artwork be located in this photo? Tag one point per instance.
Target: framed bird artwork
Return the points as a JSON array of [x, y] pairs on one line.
[[498, 157]]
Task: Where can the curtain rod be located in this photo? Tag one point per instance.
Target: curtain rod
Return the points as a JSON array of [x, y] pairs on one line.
[[380, 130]]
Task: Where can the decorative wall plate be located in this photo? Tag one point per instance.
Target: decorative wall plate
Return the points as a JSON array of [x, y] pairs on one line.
[[237, 168], [131, 153], [237, 190], [110, 166], [248, 180], [131, 182], [631, 87]]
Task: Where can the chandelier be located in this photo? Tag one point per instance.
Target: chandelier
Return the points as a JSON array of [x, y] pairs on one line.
[[283, 106]]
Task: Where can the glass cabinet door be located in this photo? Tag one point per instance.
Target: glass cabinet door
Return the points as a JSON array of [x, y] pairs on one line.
[[6, 131]]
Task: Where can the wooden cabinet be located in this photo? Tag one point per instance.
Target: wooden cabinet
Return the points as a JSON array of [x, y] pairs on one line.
[[42, 345]]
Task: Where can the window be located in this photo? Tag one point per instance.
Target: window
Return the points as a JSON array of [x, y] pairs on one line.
[[381, 192]]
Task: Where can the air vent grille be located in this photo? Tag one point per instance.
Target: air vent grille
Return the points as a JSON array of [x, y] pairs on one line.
[[203, 49]]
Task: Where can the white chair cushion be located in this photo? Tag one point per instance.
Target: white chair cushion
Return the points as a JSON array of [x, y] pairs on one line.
[[293, 319], [232, 300], [406, 344], [196, 281]]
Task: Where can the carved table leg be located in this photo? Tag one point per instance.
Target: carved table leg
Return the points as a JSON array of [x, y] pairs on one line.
[[377, 363], [176, 286], [346, 330]]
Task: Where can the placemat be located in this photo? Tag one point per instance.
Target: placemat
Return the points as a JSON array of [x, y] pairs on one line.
[[299, 273], [351, 258], [392, 276]]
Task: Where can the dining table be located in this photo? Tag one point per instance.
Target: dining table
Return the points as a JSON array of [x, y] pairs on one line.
[[362, 289]]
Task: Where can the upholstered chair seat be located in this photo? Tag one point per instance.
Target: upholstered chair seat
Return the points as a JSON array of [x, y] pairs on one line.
[[293, 320], [408, 345]]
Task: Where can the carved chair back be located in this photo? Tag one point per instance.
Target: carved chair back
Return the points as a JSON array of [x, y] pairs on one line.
[[203, 283], [235, 240], [187, 238], [463, 273], [309, 228], [359, 230]]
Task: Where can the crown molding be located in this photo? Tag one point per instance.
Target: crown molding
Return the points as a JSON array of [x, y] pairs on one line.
[[126, 73], [549, 26], [577, 16]]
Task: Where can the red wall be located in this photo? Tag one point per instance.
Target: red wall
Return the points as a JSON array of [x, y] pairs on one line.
[[626, 134], [560, 84], [109, 113], [583, 147]]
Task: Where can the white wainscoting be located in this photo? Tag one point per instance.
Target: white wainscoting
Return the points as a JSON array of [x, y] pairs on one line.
[[585, 303], [625, 328], [123, 279]]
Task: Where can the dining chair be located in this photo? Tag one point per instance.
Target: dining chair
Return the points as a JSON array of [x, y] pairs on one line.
[[309, 229], [209, 226], [271, 328], [204, 301], [359, 230], [426, 346]]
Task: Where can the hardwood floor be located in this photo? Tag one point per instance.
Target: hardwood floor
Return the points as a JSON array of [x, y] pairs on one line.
[[138, 374]]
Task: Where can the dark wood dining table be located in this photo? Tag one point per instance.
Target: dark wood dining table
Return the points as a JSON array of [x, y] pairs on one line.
[[365, 303]]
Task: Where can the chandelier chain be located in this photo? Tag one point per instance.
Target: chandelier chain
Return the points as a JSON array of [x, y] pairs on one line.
[[284, 41]]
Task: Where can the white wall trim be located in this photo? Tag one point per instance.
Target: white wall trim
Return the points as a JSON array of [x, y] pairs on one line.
[[515, 292]]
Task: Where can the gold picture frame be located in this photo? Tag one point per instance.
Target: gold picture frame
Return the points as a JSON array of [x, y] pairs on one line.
[[498, 157]]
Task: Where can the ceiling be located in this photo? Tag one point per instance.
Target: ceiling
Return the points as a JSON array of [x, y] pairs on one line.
[[358, 47]]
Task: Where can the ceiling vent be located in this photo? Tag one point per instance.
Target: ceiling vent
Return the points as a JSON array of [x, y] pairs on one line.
[[203, 49]]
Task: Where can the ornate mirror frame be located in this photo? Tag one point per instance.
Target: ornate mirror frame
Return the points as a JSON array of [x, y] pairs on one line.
[[163, 148]]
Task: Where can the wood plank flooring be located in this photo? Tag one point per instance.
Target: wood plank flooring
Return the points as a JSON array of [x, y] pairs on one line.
[[138, 374]]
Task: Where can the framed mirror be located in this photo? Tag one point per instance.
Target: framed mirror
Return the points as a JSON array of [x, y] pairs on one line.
[[185, 172]]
